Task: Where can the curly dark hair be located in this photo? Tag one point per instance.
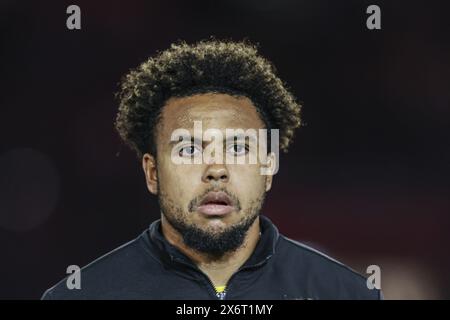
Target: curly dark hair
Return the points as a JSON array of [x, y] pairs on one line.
[[229, 67]]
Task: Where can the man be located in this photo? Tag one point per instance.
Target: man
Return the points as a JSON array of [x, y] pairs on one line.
[[211, 241]]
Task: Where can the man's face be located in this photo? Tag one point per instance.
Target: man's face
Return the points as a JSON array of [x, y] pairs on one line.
[[215, 202]]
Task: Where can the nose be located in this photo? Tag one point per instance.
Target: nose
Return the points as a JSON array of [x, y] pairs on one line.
[[216, 173]]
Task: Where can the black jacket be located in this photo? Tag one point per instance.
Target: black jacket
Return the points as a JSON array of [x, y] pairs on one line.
[[279, 268]]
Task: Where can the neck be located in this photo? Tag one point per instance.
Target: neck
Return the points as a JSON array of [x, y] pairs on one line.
[[218, 269]]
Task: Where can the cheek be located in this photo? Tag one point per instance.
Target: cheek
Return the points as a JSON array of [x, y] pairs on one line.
[[178, 181], [247, 181]]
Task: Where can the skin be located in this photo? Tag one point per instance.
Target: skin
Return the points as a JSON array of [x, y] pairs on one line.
[[178, 184]]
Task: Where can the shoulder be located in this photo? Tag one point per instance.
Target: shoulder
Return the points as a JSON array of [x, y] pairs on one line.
[[326, 277], [111, 273]]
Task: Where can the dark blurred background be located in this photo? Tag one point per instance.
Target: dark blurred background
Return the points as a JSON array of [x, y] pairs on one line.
[[366, 180]]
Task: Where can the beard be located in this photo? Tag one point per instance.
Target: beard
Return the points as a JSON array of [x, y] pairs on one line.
[[208, 241]]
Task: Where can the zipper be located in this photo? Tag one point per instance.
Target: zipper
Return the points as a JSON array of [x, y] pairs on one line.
[[222, 294], [211, 285]]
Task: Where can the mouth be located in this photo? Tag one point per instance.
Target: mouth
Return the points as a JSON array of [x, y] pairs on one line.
[[216, 204]]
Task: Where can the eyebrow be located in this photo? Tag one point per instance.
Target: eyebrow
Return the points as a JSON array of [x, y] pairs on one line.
[[185, 138], [241, 136]]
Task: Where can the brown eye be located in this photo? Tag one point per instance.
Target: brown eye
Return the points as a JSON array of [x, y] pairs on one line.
[[238, 149], [189, 151]]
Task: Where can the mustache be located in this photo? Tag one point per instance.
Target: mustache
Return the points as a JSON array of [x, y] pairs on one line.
[[193, 204]]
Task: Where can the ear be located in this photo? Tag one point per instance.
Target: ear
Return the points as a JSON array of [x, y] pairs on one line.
[[151, 176], [270, 171], [269, 182]]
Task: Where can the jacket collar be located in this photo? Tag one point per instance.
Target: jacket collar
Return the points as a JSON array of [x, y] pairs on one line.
[[168, 254]]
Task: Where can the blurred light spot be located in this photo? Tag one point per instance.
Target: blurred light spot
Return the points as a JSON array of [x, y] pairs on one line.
[[29, 188], [408, 280]]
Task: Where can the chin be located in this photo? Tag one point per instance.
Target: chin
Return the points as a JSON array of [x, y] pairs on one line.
[[215, 226]]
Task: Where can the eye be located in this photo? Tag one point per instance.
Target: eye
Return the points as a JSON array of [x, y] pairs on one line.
[[189, 151], [238, 149]]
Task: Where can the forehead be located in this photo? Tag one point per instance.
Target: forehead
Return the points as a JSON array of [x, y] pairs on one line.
[[215, 110]]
